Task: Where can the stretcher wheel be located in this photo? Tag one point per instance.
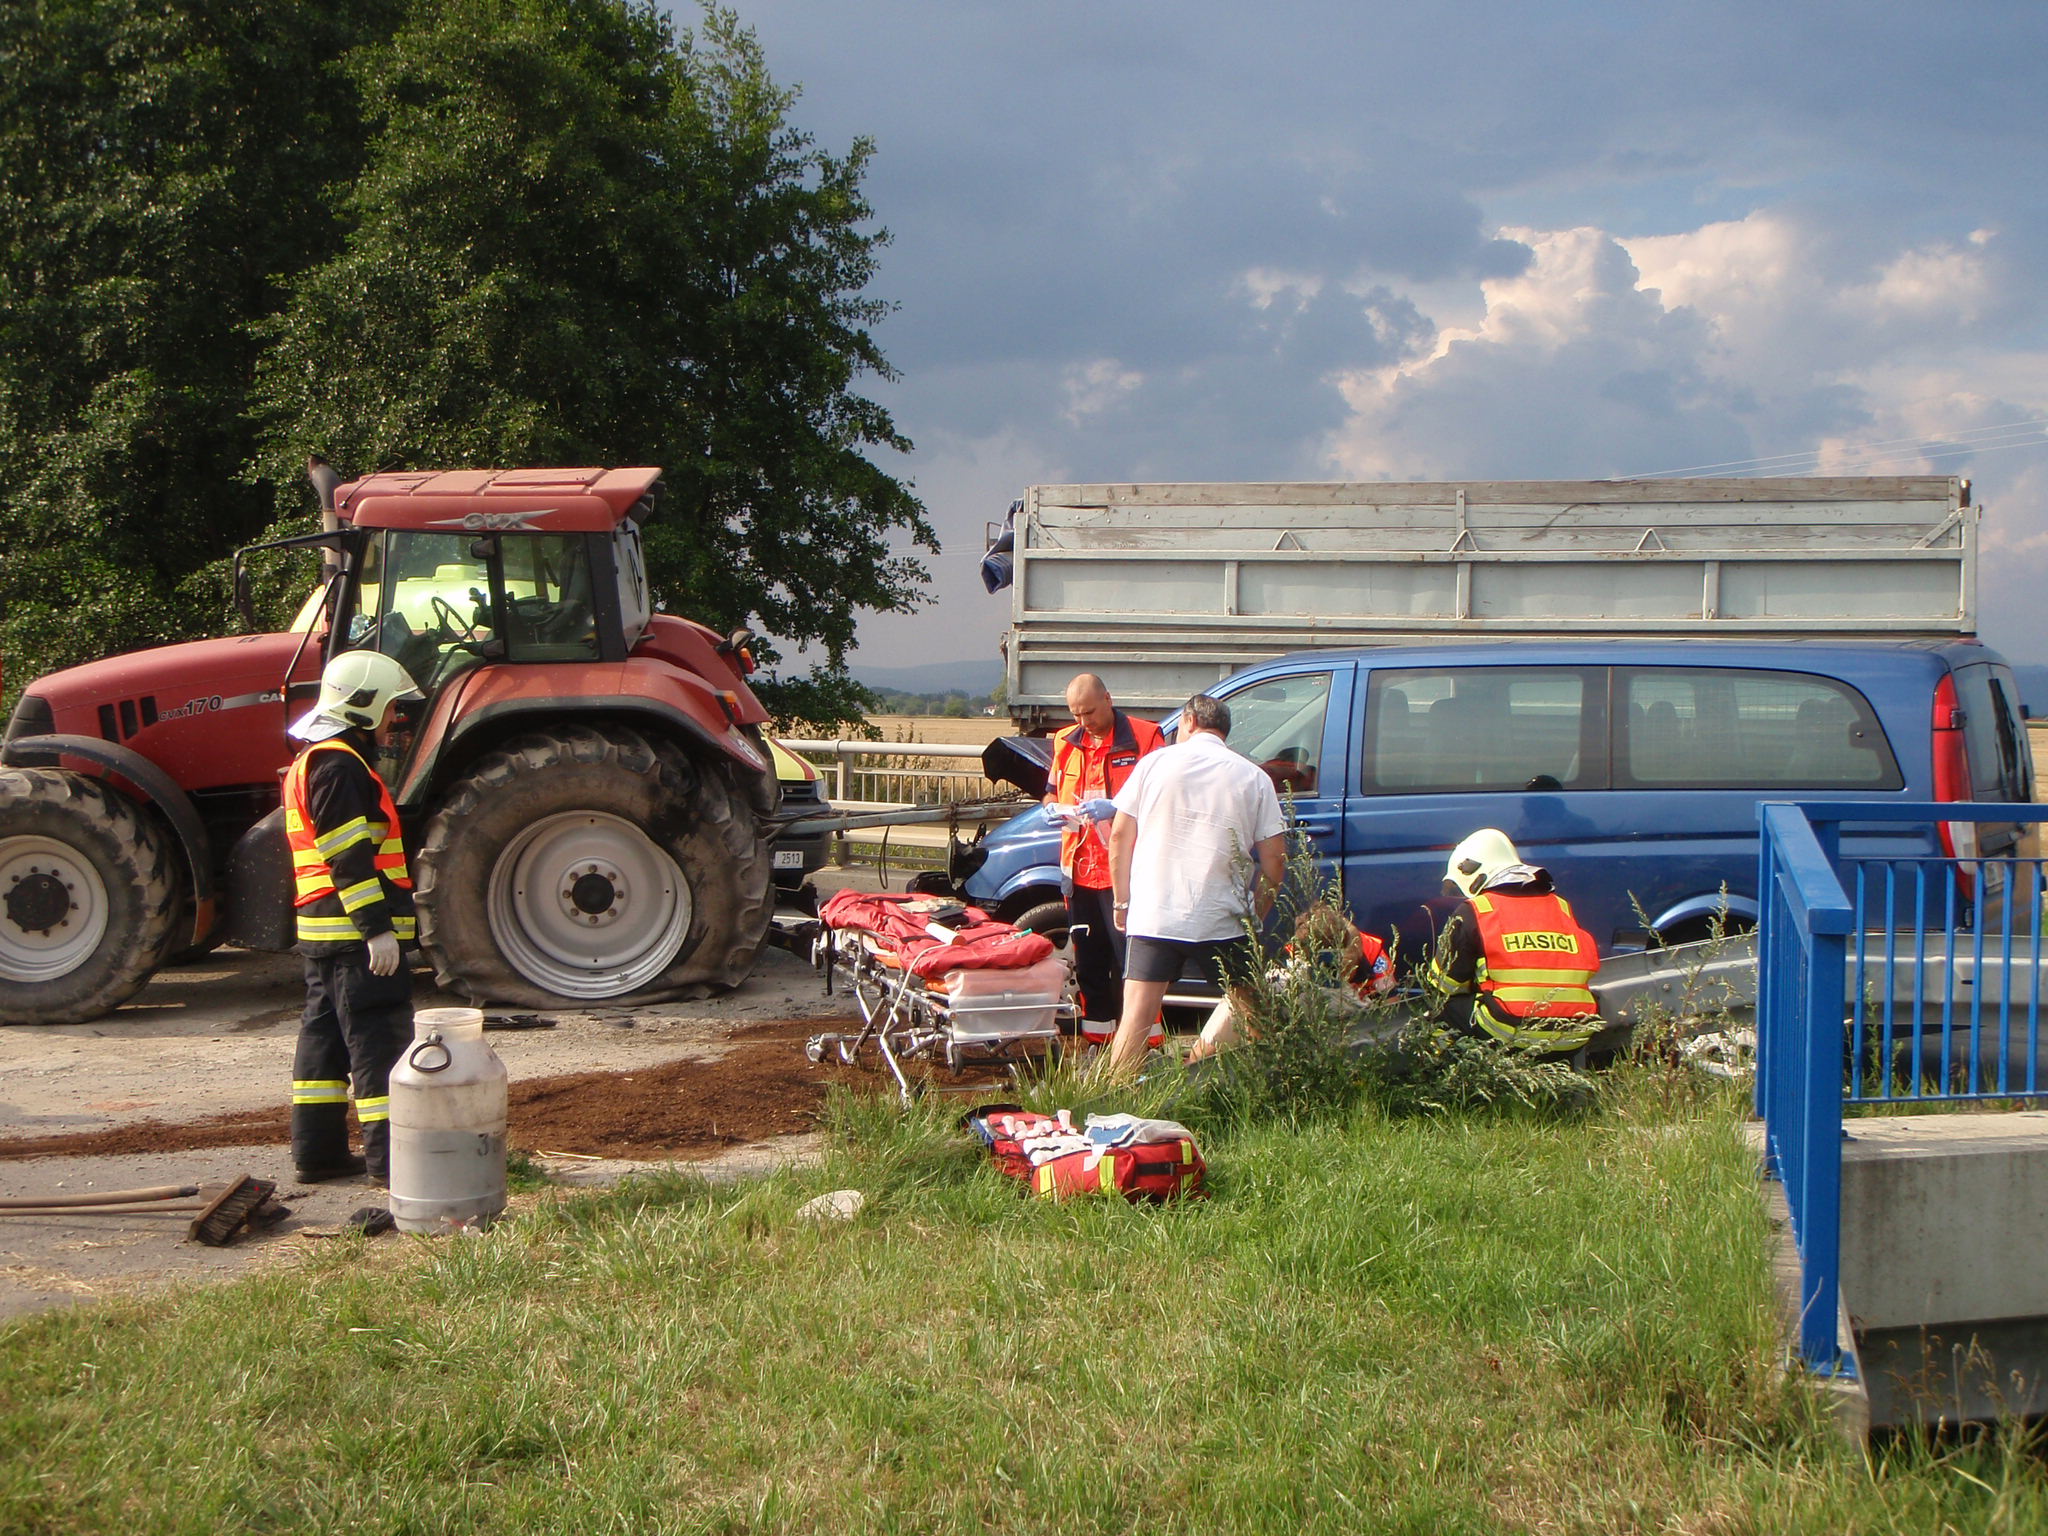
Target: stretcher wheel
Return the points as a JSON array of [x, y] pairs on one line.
[[814, 1048]]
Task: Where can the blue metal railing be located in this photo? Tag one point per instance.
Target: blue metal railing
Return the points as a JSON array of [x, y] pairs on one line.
[[1883, 978]]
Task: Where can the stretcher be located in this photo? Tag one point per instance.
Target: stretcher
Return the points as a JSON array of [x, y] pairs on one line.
[[938, 981]]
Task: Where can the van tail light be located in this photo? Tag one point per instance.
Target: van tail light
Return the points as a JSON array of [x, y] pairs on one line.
[[1952, 773]]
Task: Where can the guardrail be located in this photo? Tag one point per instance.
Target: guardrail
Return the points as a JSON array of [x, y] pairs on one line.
[[899, 776], [1887, 975]]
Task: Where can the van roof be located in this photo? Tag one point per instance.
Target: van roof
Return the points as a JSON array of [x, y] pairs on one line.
[[1819, 654]]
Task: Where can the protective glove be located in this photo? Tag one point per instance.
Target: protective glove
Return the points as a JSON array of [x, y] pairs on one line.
[[1097, 810], [384, 954], [1057, 815]]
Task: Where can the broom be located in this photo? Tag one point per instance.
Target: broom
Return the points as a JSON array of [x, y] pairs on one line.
[[226, 1210]]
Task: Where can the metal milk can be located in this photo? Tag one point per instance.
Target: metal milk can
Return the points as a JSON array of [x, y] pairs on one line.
[[447, 1125]]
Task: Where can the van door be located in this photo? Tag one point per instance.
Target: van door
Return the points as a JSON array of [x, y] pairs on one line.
[[1695, 749], [1292, 725], [1445, 750]]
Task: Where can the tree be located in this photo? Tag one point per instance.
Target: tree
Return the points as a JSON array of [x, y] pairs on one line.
[[582, 237], [162, 162], [432, 232]]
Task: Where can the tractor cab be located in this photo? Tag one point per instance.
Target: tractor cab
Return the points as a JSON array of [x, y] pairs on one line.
[[557, 575], [447, 572]]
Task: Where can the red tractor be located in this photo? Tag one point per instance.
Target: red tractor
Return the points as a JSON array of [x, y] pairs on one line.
[[587, 795]]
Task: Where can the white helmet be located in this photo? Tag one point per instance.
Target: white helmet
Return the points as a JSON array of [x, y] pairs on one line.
[[1478, 859], [356, 689]]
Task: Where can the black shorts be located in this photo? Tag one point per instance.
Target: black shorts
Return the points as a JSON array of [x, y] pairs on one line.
[[1167, 960]]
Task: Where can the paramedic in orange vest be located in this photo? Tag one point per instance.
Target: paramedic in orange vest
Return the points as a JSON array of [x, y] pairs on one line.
[[354, 910], [1512, 964], [1090, 761]]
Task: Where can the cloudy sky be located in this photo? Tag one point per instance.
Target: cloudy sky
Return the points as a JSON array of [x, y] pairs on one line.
[[1473, 239]]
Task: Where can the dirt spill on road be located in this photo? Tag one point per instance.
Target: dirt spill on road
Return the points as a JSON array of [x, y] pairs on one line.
[[761, 1088]]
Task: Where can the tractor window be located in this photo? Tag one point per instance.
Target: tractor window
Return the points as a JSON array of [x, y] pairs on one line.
[[548, 614], [439, 602], [423, 599]]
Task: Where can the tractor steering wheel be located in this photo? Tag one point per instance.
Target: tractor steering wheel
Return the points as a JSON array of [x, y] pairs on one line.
[[453, 622]]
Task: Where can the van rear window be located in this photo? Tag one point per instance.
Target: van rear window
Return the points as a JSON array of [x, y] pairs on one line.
[[1718, 728], [1446, 729]]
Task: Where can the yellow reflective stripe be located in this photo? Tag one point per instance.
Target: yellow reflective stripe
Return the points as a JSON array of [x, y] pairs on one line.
[[327, 930], [1482, 903], [312, 885], [1045, 1178], [360, 895], [1575, 977], [403, 927], [1543, 995], [1564, 906], [1572, 1031], [346, 835], [320, 1090], [370, 1110]]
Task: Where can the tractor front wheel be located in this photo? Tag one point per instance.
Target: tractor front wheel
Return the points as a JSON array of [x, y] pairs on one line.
[[88, 892], [590, 865]]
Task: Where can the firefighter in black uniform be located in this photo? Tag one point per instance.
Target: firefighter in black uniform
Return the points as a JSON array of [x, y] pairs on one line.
[[354, 910]]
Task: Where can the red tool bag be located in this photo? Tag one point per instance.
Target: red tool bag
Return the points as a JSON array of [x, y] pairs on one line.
[[1053, 1159]]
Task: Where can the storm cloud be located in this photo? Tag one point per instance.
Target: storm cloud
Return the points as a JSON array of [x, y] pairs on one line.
[[1197, 240]]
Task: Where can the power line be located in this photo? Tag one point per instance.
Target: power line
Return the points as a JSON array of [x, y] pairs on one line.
[[1973, 438]]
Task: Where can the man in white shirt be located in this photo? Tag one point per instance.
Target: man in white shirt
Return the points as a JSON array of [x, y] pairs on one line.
[[1198, 845]]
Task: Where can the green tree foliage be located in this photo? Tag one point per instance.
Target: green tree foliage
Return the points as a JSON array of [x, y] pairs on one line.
[[582, 239], [426, 233], [161, 162]]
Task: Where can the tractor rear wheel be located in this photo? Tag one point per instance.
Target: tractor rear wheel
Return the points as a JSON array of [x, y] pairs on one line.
[[88, 891], [586, 864]]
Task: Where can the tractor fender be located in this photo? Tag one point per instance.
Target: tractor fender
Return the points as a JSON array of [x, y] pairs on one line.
[[152, 787], [261, 891], [662, 718]]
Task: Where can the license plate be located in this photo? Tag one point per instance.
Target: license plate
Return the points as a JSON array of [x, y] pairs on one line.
[[789, 858]]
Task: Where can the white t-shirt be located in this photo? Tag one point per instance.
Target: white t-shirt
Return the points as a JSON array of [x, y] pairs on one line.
[[1201, 809]]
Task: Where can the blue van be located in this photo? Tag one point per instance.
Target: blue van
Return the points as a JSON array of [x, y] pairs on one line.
[[1632, 769]]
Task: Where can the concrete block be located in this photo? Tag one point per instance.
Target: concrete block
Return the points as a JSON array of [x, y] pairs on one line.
[[1945, 1219]]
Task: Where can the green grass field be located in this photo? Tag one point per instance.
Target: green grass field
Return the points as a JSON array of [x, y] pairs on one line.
[[1432, 1325]]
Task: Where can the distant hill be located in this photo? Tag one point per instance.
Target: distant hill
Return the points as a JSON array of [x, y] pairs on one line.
[[969, 677], [2033, 683]]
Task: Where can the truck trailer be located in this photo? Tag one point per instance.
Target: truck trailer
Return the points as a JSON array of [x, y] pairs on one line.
[[1163, 589]]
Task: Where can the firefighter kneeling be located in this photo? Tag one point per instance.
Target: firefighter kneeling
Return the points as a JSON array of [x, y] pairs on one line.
[[1513, 964], [355, 915]]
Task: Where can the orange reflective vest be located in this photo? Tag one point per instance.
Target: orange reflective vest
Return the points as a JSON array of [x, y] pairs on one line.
[[1084, 772], [1538, 963], [324, 913]]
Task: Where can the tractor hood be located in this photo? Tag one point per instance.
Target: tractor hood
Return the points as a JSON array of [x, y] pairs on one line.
[[209, 712]]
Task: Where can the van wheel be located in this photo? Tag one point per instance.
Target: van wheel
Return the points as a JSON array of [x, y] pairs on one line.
[[1048, 917], [1695, 930], [592, 865], [87, 894]]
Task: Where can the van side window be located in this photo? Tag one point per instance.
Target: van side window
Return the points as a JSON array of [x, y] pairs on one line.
[[1278, 724], [1719, 728], [1445, 729]]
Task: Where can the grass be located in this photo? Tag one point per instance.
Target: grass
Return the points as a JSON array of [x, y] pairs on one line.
[[1444, 1324]]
